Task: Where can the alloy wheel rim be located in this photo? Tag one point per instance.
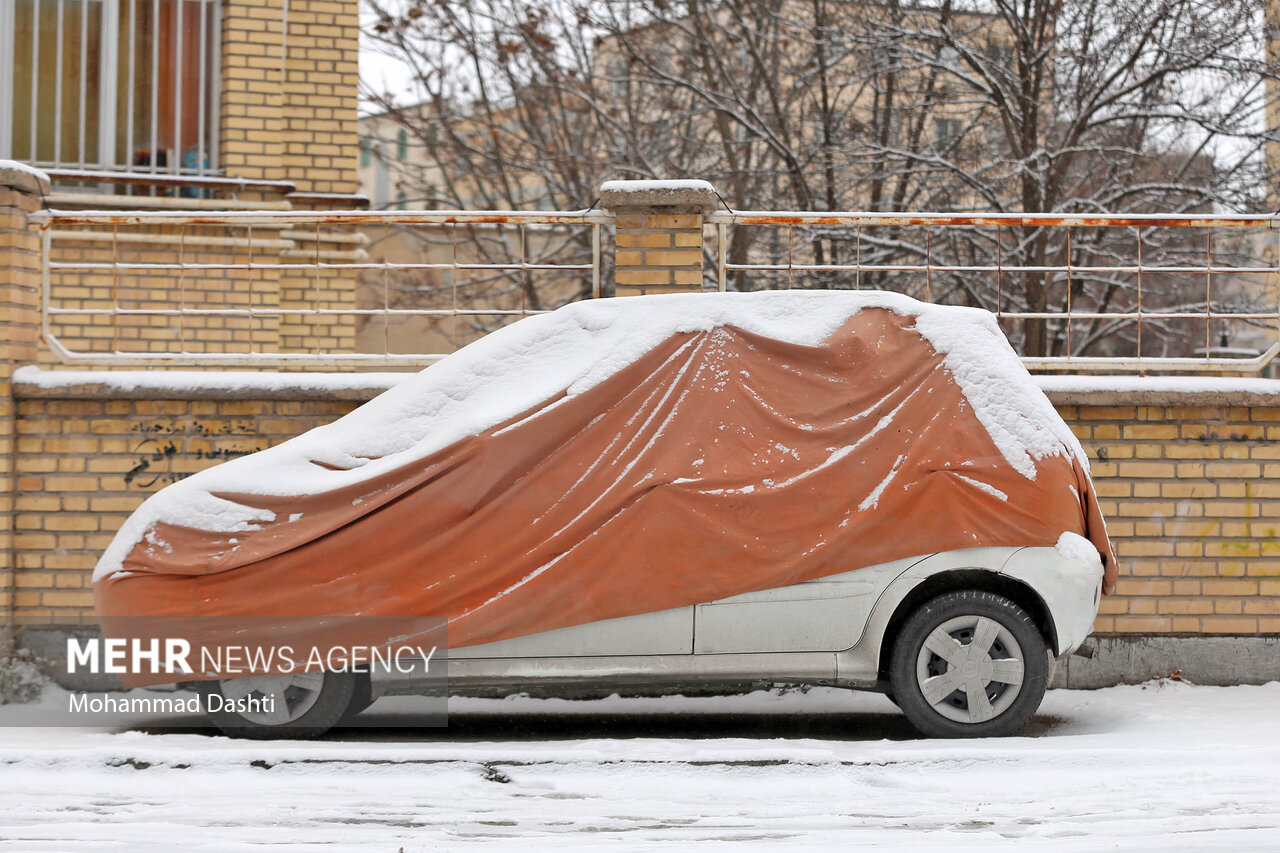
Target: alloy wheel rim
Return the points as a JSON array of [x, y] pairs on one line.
[[273, 700], [970, 669]]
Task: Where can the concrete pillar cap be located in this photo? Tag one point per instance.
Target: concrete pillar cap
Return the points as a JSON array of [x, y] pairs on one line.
[[24, 178], [688, 195]]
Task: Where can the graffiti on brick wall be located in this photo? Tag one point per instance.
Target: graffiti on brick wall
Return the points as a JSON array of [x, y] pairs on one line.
[[171, 450]]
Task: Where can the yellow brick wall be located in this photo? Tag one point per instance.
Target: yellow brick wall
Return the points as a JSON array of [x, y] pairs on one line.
[[312, 289], [657, 253], [321, 78], [82, 465], [20, 319], [289, 92], [319, 153], [251, 99], [252, 274], [1191, 494]]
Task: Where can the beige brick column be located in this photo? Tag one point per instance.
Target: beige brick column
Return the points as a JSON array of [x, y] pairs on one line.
[[20, 194], [319, 153], [659, 239], [320, 95], [288, 100], [251, 99], [288, 112]]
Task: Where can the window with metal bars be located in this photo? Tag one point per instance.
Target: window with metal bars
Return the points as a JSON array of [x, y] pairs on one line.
[[116, 85]]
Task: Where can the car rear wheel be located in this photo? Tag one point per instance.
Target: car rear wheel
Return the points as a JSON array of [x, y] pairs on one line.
[[361, 697], [296, 705], [969, 664]]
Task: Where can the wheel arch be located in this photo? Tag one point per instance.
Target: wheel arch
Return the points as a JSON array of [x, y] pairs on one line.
[[983, 580]]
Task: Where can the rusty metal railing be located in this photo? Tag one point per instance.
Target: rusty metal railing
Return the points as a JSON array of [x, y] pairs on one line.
[[1101, 293], [1128, 293], [313, 289]]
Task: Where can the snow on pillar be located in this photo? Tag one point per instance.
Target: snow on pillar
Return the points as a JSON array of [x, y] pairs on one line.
[[659, 239]]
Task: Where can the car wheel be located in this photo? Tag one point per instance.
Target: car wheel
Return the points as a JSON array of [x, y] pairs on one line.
[[361, 697], [296, 705], [969, 664]]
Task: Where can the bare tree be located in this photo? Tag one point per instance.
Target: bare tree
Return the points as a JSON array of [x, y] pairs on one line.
[[498, 118], [1079, 106], [1070, 106]]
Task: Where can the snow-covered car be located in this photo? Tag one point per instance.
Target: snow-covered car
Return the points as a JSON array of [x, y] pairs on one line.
[[702, 492]]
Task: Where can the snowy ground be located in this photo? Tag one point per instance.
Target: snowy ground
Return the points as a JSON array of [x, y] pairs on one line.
[[1162, 767]]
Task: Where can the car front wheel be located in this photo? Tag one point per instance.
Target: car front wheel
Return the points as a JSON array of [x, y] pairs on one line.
[[294, 705], [969, 664]]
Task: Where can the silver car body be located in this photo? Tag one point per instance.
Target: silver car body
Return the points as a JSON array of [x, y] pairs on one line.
[[831, 631]]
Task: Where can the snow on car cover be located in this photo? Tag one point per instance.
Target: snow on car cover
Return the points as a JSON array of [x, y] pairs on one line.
[[612, 458]]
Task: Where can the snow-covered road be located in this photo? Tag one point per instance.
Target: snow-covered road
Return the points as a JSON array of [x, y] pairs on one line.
[[1162, 767]]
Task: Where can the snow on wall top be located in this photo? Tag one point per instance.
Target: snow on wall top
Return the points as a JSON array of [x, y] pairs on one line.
[[648, 186], [33, 177], [571, 350], [1159, 384], [189, 381]]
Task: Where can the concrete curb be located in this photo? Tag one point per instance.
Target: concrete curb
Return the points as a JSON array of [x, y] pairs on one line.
[[1217, 661]]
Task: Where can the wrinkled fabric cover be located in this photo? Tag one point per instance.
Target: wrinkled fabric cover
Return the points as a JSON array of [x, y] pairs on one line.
[[719, 463]]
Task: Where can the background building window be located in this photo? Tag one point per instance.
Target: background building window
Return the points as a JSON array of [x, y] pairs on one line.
[[946, 132]]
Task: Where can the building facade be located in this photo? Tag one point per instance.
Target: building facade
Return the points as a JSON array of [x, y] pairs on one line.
[[187, 106]]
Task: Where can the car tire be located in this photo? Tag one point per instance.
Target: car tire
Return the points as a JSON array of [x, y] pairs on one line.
[[361, 697], [969, 664], [302, 704]]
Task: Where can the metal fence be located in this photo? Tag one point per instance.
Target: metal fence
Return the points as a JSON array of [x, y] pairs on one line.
[[1131, 293], [239, 289], [402, 288]]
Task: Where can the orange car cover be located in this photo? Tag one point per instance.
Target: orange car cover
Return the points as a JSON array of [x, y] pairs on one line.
[[719, 462]]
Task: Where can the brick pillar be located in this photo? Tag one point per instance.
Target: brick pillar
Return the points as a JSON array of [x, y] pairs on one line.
[[20, 194], [251, 123], [319, 152], [659, 239], [320, 95], [288, 100]]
